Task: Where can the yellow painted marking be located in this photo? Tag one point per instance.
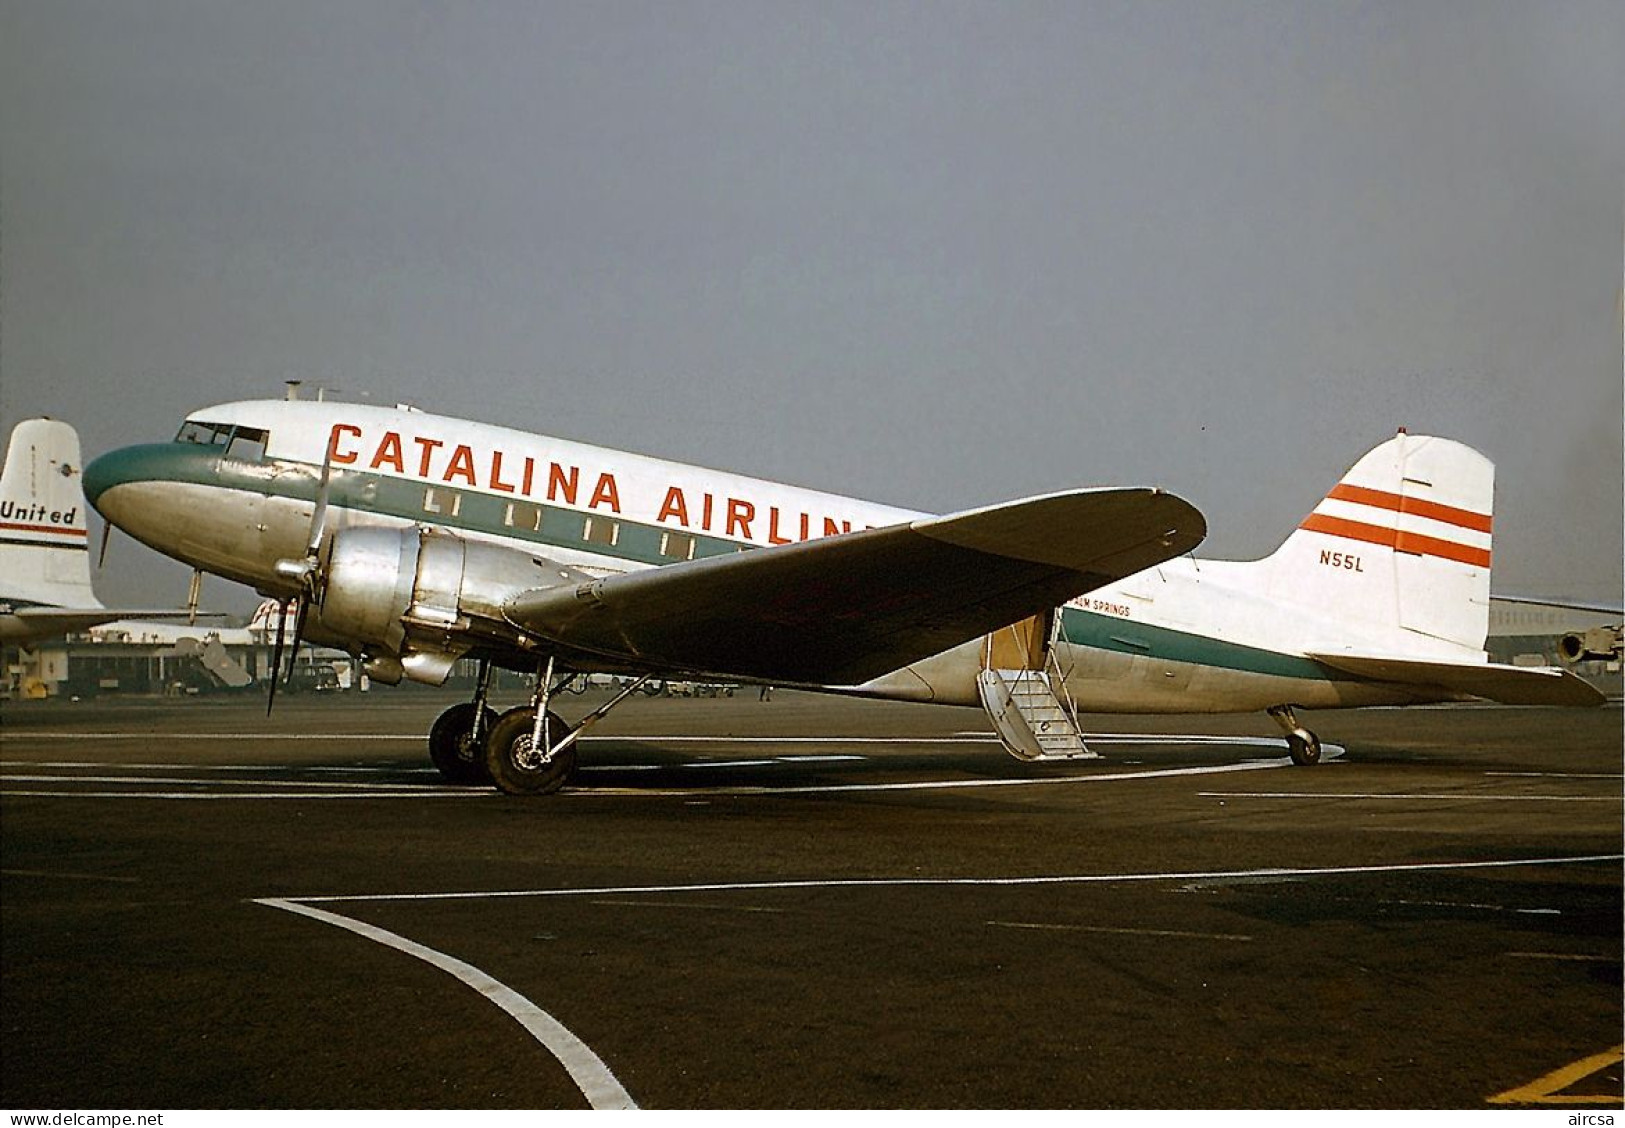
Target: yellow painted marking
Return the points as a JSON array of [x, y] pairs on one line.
[[1549, 1089]]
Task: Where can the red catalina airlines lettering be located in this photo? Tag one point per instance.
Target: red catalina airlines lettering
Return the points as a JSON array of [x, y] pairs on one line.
[[458, 464]]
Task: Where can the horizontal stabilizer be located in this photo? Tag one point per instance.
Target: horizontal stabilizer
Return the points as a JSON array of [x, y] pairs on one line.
[[841, 610], [1508, 685], [1587, 605]]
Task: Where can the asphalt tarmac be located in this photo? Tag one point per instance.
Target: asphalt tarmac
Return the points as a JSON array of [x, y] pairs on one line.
[[807, 902]]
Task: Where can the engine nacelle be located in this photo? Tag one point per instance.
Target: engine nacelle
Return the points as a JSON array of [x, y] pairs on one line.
[[415, 600], [1598, 644]]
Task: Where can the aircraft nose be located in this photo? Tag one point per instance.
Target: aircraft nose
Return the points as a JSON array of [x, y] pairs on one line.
[[149, 492], [105, 472], [114, 482]]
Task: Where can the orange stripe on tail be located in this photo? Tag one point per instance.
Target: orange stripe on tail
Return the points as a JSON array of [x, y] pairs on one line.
[[1398, 503], [1413, 543]]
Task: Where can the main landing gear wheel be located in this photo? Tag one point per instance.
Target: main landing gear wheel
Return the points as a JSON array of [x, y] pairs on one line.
[[460, 757], [516, 765]]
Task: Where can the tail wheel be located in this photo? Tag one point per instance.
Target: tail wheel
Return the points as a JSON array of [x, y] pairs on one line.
[[1304, 747], [516, 765], [458, 756]]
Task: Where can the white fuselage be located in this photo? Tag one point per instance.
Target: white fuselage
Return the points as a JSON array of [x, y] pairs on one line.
[[1185, 636]]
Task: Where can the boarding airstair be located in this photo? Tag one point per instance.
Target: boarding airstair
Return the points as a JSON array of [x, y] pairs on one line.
[[211, 654], [1017, 685]]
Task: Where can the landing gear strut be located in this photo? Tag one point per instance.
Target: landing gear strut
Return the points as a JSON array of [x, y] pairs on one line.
[[531, 750], [457, 740], [1303, 745]]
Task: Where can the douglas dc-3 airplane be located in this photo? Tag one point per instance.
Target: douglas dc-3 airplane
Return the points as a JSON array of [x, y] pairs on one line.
[[414, 540]]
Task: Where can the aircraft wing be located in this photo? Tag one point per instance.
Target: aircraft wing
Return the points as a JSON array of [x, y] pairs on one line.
[[1509, 685], [48, 622], [842, 610]]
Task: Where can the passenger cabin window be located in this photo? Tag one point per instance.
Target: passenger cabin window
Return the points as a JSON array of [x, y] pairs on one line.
[[677, 546], [442, 502], [520, 515], [601, 530]]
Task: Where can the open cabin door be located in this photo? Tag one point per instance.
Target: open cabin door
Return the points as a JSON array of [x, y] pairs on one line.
[[1019, 697]]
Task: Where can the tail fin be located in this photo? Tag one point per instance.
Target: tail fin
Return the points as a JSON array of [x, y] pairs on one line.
[[44, 541], [1401, 546]]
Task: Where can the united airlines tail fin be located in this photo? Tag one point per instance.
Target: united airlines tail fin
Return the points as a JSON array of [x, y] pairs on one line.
[[44, 540]]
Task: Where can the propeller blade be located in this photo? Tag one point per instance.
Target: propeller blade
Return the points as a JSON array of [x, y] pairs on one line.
[[310, 582], [318, 516], [107, 536], [276, 653], [298, 634]]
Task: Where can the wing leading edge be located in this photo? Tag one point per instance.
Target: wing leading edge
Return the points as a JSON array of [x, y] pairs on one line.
[[45, 622], [842, 610]]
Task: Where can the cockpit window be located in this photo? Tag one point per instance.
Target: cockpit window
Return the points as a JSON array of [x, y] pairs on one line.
[[204, 434], [247, 444]]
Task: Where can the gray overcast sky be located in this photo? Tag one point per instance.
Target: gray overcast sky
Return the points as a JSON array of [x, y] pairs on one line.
[[933, 254]]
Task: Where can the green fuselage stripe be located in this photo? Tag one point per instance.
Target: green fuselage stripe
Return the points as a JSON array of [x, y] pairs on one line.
[[523, 519], [1122, 636]]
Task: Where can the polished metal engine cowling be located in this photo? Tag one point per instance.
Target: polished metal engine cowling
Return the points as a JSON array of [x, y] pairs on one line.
[[415, 600], [368, 585]]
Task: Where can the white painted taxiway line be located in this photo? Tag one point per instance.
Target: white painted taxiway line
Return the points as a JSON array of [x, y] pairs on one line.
[[169, 737], [215, 795], [314, 769], [962, 738], [57, 777], [1400, 796], [418, 738], [1162, 933], [585, 1068], [942, 784], [330, 784], [1307, 872], [328, 789], [594, 1078], [1559, 775]]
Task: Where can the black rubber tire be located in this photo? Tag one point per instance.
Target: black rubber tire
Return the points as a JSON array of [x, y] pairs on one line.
[[1305, 753], [456, 758], [507, 752]]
